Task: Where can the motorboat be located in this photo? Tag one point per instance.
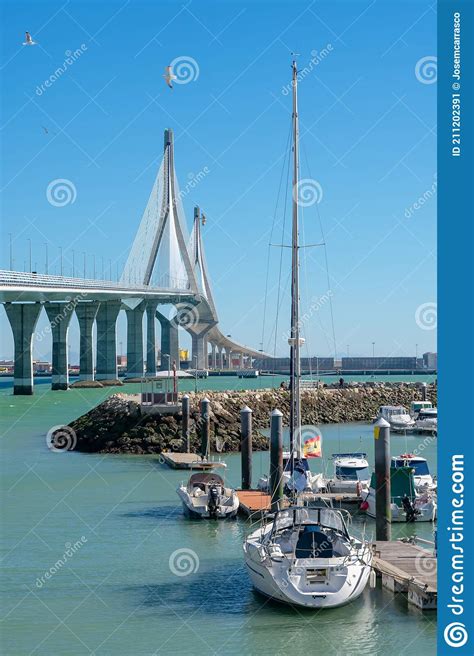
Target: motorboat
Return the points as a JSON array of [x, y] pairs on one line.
[[427, 421], [416, 406], [398, 417], [306, 557], [206, 497], [421, 472], [406, 504], [301, 480], [351, 473]]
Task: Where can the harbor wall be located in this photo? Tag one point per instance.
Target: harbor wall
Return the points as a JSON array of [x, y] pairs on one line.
[[118, 426]]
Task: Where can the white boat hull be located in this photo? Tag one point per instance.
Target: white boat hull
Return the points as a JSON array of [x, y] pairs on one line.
[[289, 585], [199, 509], [426, 510]]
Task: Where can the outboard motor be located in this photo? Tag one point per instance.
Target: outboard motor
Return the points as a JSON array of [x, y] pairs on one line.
[[213, 501], [410, 510]]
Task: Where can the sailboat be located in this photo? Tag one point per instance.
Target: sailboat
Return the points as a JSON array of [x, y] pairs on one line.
[[304, 556]]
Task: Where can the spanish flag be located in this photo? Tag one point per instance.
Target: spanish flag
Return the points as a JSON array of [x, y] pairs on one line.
[[312, 447]]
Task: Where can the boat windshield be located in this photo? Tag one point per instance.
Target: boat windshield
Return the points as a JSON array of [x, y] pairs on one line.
[[392, 411], [352, 473], [298, 516], [420, 466]]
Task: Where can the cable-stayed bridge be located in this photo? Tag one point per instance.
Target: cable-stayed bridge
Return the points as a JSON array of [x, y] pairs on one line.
[[165, 266]]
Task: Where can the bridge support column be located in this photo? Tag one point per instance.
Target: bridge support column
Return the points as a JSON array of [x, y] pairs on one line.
[[135, 341], [59, 315], [86, 313], [228, 353], [151, 338], [169, 341], [23, 318], [198, 351], [213, 356], [241, 361], [221, 357], [106, 340]]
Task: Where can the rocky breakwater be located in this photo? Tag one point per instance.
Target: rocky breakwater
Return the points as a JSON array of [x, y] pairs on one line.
[[118, 426]]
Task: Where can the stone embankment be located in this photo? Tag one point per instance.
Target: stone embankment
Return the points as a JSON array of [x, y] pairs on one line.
[[118, 426]]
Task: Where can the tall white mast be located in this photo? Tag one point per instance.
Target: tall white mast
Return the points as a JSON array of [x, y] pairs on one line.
[[294, 341]]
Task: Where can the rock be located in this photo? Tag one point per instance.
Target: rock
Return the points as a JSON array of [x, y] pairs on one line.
[[117, 425]]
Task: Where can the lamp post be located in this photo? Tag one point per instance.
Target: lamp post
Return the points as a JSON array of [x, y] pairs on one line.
[[166, 355]]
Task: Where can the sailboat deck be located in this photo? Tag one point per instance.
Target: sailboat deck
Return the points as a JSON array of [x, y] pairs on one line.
[[256, 502]]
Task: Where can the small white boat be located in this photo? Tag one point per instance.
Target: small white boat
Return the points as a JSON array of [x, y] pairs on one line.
[[306, 557], [206, 497], [398, 417], [416, 406], [406, 504], [427, 421], [424, 481], [303, 479], [351, 473]]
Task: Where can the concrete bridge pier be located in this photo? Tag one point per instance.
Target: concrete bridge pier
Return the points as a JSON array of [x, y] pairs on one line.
[[228, 353], [86, 312], [23, 318], [213, 356], [169, 341], [135, 360], [241, 361], [151, 338], [59, 315], [199, 349], [106, 340], [221, 358]]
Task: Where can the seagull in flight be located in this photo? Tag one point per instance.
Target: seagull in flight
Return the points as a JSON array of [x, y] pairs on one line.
[[169, 77], [29, 41]]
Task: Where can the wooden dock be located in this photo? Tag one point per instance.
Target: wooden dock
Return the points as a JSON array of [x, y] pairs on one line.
[[405, 567], [257, 503], [253, 503], [188, 461]]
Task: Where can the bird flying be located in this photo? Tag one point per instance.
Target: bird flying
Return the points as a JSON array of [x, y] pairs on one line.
[[169, 77], [29, 41]]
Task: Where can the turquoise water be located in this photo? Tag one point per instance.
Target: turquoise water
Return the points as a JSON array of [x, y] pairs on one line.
[[116, 592]]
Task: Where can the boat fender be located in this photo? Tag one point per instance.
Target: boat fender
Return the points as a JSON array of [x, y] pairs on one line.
[[364, 506], [372, 578]]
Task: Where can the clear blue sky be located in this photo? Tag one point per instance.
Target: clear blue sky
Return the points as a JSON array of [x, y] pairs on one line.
[[368, 127]]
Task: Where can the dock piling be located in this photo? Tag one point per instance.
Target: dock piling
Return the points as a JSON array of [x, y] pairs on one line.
[[383, 529], [423, 392], [246, 447], [205, 427], [276, 459], [185, 421]]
